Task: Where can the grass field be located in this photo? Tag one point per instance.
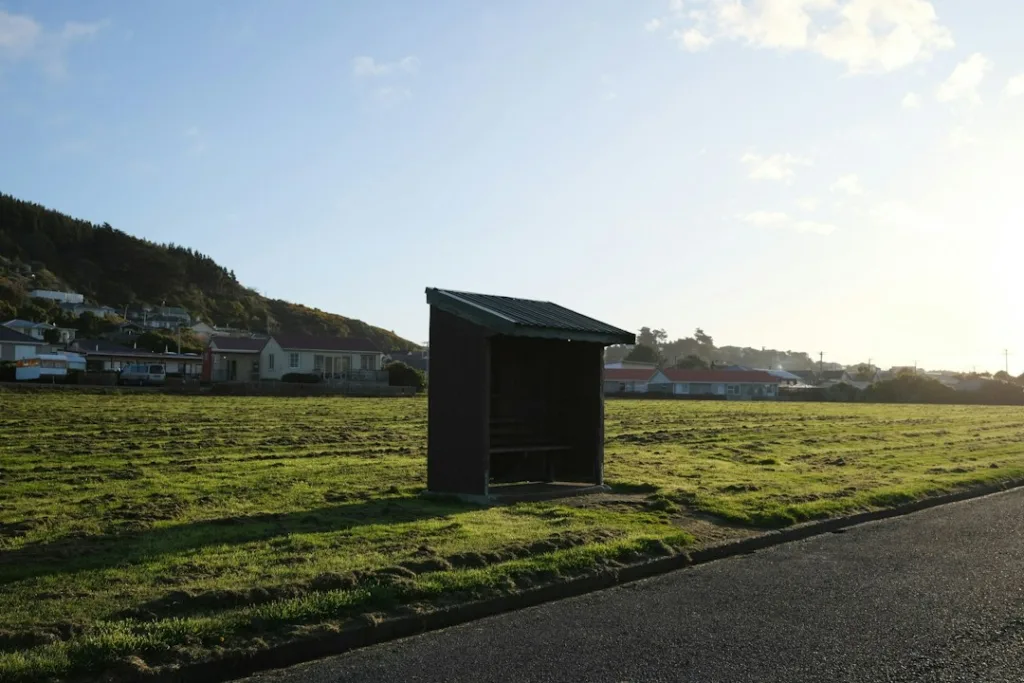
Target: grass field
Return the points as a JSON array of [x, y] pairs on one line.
[[146, 530]]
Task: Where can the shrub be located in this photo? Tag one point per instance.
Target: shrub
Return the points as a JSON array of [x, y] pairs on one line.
[[300, 378], [910, 389], [402, 375]]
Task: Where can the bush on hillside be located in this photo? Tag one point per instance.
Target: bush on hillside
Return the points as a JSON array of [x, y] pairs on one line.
[[402, 375], [910, 388]]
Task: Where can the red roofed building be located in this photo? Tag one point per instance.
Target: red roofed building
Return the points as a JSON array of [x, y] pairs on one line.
[[627, 380], [729, 384]]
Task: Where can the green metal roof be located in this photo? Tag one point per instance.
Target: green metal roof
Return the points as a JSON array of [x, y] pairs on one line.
[[526, 318]]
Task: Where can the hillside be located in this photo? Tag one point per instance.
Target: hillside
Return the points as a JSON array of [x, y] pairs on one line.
[[46, 249]]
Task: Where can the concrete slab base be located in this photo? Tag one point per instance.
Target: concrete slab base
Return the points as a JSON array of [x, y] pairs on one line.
[[501, 494]]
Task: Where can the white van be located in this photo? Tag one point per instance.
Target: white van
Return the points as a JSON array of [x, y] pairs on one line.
[[142, 374]]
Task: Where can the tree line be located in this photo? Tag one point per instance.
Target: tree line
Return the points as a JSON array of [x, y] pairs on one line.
[[699, 351]]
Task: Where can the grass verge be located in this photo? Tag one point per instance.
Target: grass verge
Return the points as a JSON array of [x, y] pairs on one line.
[[141, 531]]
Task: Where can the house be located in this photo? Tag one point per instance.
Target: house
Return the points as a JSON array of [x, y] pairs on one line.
[[203, 332], [52, 295], [730, 384], [80, 308], [14, 345], [629, 364], [328, 357], [232, 359], [808, 377], [627, 380], [121, 330], [102, 355], [235, 359], [861, 380], [174, 313], [786, 378], [163, 322], [38, 330], [161, 317]]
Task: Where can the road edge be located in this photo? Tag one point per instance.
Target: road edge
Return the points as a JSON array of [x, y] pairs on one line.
[[309, 649]]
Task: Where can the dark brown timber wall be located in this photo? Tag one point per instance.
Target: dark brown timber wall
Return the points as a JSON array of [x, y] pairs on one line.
[[458, 406]]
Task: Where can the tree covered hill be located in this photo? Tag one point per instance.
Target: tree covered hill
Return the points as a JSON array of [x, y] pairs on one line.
[[43, 248]]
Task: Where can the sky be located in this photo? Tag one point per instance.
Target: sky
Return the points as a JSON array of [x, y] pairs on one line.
[[837, 176]]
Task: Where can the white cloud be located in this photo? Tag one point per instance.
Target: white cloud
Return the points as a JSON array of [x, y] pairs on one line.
[[692, 40], [883, 35], [781, 220], [23, 38], [18, 33], [900, 215], [389, 96], [816, 227], [765, 219], [363, 67], [911, 101], [868, 36], [848, 184], [808, 204], [652, 25], [960, 137], [962, 84], [1014, 86], [768, 23], [196, 144], [74, 30], [779, 167]]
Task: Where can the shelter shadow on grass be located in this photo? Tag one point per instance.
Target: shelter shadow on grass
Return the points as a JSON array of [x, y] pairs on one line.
[[68, 555]]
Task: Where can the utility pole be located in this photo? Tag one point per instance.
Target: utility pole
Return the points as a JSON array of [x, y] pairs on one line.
[[1006, 360], [821, 363]]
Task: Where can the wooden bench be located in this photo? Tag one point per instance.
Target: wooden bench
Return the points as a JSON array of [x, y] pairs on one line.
[[511, 437], [515, 435]]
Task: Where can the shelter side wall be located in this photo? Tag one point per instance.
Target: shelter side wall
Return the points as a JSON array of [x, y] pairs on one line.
[[581, 401], [458, 406]]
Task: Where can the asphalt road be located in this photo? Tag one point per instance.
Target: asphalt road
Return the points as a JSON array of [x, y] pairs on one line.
[[934, 596]]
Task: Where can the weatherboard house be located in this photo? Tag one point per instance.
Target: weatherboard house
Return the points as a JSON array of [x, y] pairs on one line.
[[516, 401]]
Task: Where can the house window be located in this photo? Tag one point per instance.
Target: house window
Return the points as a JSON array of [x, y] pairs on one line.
[[733, 390], [366, 362], [293, 360], [270, 361], [318, 363]]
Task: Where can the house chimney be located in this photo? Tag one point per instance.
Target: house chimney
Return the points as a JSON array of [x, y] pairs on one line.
[[97, 347]]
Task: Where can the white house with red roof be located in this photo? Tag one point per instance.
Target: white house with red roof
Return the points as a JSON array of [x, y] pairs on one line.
[[730, 384]]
